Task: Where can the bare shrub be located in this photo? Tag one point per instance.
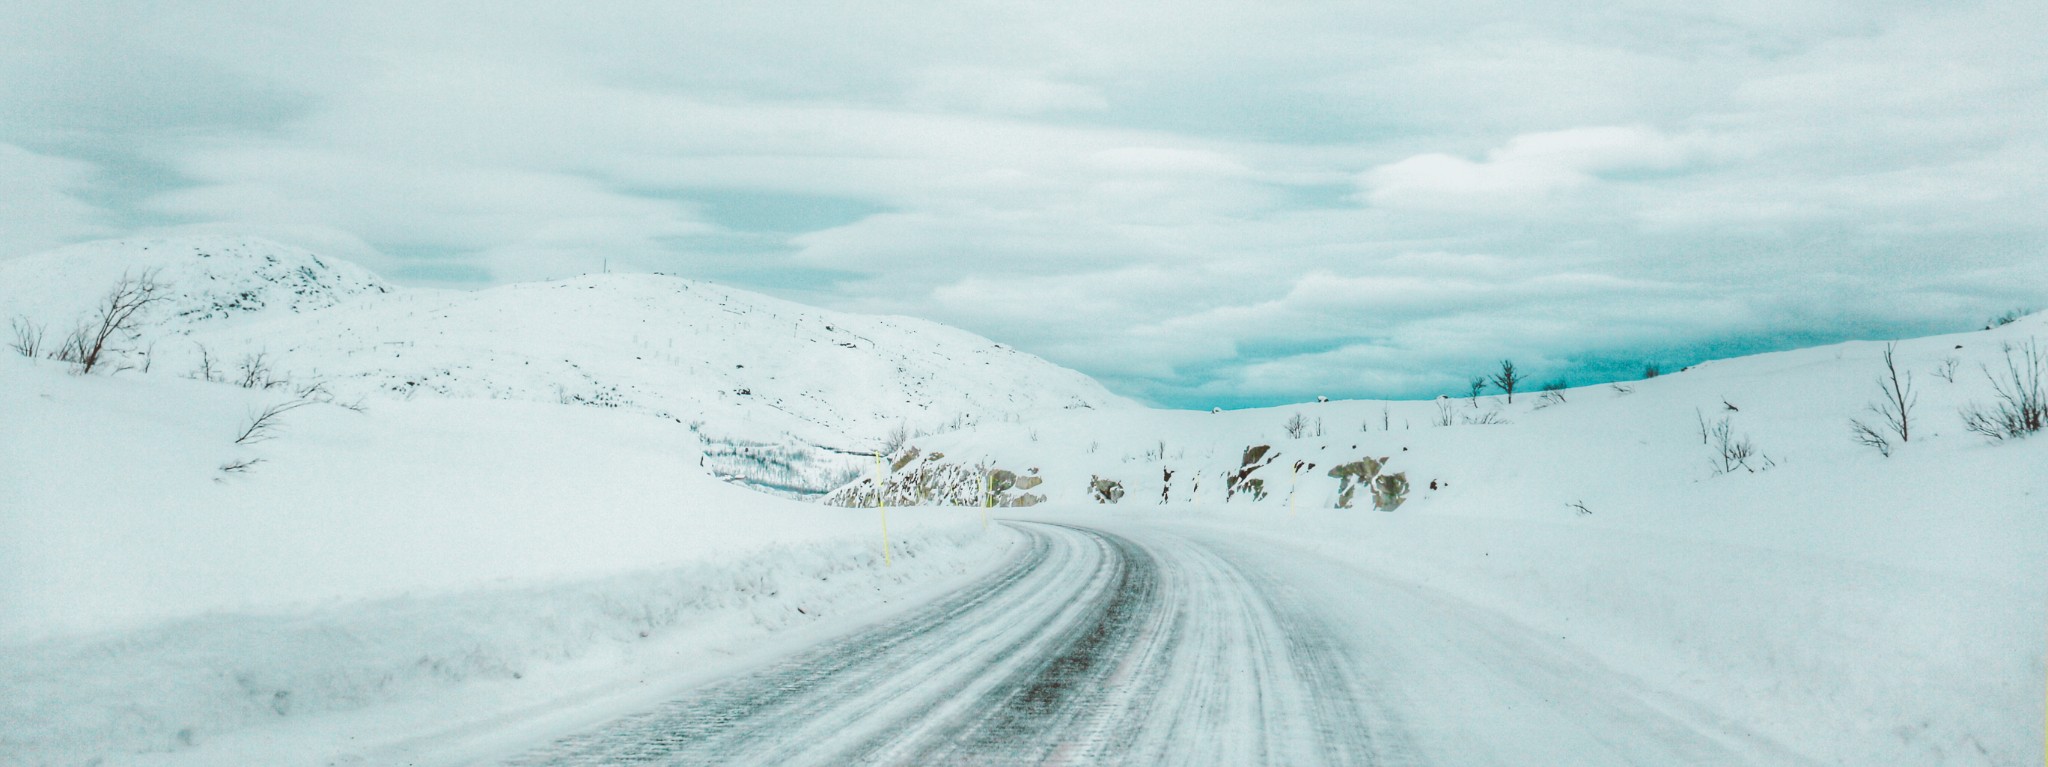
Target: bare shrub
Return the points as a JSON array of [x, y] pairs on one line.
[[2021, 392], [896, 439], [1444, 414], [263, 424], [1894, 412], [254, 373], [1478, 384], [1946, 369], [1733, 451], [28, 338], [2009, 317], [1487, 418], [1553, 393], [1294, 426], [87, 347], [1652, 371], [1507, 379]]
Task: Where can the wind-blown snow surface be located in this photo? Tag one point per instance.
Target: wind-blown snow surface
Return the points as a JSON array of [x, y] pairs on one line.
[[152, 603], [780, 392], [1859, 609]]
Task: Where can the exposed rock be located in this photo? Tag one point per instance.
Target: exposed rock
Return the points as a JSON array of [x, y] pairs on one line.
[[1390, 491], [1354, 475], [1105, 490]]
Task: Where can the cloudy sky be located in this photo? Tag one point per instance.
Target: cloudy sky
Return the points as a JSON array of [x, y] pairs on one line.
[[1197, 202]]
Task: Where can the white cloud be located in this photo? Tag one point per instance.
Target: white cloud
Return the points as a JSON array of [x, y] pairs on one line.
[[1527, 170], [44, 209]]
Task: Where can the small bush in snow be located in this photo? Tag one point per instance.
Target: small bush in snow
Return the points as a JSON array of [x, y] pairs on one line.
[[1651, 371], [1294, 426], [255, 373], [90, 344], [2021, 391], [28, 338], [1946, 370], [1733, 451], [1478, 387], [1894, 412], [2005, 319]]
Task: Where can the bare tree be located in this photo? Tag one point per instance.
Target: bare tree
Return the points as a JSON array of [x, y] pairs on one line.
[[28, 338], [115, 315], [1478, 385], [1294, 426], [1507, 379], [2022, 396], [1652, 371], [1895, 411]]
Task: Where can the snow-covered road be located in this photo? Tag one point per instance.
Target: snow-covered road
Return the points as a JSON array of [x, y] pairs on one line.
[[1143, 644]]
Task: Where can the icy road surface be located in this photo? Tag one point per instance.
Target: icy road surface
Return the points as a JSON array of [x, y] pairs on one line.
[[1152, 645]]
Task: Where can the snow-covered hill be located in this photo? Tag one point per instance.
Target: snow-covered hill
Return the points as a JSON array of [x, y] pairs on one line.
[[784, 396], [1859, 607]]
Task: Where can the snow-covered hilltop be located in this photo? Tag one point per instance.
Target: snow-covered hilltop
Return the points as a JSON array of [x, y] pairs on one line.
[[783, 395]]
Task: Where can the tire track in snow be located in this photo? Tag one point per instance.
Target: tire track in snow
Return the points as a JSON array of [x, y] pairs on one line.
[[1085, 648]]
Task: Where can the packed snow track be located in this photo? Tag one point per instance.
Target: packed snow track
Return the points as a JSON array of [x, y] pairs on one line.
[[1153, 645]]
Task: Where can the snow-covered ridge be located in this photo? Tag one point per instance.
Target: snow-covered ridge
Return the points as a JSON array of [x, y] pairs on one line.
[[206, 280], [783, 395]]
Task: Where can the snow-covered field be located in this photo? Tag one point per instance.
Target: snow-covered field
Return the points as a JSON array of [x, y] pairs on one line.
[[152, 603], [1857, 608], [524, 521]]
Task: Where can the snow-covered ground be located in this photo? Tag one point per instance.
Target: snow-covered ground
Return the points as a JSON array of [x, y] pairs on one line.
[[1857, 608], [437, 555], [783, 394]]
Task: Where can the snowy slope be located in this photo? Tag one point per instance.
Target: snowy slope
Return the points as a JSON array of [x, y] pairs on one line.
[[783, 394], [1861, 608], [208, 281]]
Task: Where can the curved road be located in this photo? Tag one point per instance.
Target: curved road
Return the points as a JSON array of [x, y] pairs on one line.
[[1158, 646]]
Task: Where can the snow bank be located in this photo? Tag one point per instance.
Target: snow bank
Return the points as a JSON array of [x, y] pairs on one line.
[[1861, 609], [150, 601]]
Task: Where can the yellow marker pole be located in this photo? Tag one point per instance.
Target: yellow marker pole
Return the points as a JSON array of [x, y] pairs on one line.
[[882, 503]]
